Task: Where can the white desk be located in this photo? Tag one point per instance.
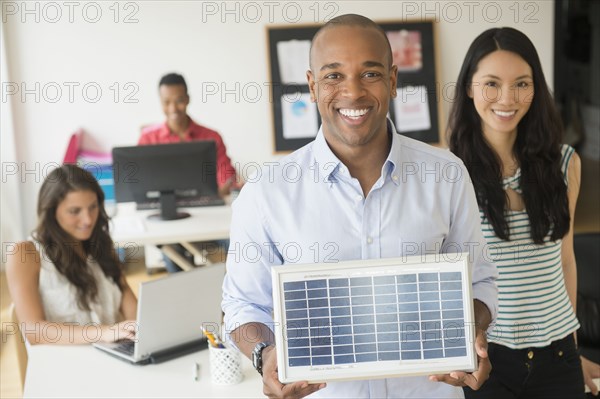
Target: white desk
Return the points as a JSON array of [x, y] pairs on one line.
[[205, 224], [132, 229], [76, 371]]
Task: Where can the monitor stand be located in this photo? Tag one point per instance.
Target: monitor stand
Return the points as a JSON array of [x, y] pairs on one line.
[[168, 208]]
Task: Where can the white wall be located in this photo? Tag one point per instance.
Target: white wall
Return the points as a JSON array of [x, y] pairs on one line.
[[205, 44]]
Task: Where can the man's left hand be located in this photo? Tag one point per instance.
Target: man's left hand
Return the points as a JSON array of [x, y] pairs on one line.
[[475, 379]]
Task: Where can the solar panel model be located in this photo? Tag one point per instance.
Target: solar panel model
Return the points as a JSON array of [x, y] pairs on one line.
[[374, 318]]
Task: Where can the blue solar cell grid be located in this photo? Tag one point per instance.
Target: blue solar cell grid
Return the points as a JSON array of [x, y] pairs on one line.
[[377, 318]]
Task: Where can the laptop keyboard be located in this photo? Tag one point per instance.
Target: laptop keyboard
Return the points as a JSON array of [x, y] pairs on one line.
[[190, 202], [125, 346]]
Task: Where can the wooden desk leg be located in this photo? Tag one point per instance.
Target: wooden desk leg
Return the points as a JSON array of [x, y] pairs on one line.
[[176, 257], [200, 254]]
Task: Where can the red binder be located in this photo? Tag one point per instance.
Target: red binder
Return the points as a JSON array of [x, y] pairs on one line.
[[73, 147]]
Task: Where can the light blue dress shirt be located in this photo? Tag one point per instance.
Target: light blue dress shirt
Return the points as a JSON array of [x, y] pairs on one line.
[[307, 208]]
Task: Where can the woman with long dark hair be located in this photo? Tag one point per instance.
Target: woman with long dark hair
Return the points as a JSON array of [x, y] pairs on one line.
[[505, 128], [67, 283]]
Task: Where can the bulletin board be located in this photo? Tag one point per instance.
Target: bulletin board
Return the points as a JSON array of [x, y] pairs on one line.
[[415, 111]]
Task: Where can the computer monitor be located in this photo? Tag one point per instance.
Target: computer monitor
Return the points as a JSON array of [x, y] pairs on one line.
[[165, 173]]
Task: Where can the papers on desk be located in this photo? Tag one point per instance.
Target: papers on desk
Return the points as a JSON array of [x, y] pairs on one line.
[[125, 225]]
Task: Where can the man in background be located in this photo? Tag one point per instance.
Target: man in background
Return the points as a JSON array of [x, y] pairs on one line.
[[179, 127]]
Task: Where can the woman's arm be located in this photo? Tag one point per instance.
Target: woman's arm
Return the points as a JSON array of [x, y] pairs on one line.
[[128, 301], [567, 253], [23, 275]]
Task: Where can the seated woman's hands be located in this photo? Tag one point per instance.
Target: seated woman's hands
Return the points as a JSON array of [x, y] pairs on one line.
[[124, 330]]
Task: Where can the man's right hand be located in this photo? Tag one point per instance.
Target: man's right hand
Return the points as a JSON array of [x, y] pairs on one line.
[[273, 388]]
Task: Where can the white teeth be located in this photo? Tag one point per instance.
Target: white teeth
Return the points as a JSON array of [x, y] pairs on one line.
[[503, 113], [353, 113]]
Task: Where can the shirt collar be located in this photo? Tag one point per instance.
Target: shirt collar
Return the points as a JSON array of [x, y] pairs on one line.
[[394, 158], [165, 132], [326, 160], [329, 165]]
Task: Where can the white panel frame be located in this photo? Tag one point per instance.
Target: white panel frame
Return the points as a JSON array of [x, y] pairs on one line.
[[363, 268]]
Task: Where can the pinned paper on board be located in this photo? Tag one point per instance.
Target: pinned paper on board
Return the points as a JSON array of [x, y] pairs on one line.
[[293, 58], [406, 49], [299, 116], [412, 109]]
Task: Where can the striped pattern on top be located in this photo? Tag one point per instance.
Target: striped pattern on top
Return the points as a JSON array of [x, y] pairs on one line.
[[534, 308]]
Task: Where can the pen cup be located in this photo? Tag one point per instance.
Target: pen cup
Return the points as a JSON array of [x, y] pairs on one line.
[[225, 365]]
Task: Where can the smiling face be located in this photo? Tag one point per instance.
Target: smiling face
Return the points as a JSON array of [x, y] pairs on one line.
[[352, 81], [174, 101], [77, 214], [502, 92]]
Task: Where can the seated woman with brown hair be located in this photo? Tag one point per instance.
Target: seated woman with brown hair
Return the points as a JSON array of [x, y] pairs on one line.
[[67, 283]]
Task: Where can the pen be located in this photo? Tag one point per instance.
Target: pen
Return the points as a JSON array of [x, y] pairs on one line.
[[211, 338], [196, 373], [220, 343]]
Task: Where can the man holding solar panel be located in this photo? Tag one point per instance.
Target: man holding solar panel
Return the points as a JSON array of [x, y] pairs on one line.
[[353, 200]]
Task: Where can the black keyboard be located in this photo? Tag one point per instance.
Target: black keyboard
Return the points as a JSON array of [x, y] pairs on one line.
[[125, 346], [191, 202], [178, 350]]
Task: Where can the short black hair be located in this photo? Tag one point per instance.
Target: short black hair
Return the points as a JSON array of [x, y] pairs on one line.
[[172, 79], [353, 20]]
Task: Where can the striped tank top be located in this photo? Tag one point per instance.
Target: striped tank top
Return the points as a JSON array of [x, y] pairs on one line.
[[533, 306]]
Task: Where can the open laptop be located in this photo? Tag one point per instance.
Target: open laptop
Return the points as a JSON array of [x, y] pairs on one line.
[[170, 314]]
